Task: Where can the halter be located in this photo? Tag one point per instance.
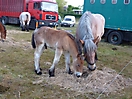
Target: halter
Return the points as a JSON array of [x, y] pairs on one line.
[[91, 63]]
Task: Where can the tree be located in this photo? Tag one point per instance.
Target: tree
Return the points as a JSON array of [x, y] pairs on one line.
[[61, 4]]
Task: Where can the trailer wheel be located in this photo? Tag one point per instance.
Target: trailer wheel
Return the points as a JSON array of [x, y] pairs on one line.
[[115, 38], [4, 20]]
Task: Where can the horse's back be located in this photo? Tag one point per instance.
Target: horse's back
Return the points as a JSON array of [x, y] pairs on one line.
[[100, 23], [25, 16], [50, 35], [54, 38]]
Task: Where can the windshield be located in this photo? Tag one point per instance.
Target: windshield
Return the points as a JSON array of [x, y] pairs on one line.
[[67, 19], [46, 6]]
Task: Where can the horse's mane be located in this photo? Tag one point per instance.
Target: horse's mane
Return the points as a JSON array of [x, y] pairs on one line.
[[76, 43], [84, 28]]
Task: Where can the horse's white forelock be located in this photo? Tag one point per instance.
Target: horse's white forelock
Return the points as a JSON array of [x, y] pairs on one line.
[[84, 28], [90, 46]]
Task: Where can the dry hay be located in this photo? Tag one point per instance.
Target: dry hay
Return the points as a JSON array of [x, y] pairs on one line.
[[91, 82]]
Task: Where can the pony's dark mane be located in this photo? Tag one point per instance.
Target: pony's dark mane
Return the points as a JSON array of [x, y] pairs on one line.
[[76, 43]]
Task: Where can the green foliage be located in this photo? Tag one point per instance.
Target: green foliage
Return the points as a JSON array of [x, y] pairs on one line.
[[61, 4]]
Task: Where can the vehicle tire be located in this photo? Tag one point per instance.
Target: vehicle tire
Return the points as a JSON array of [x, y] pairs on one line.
[[61, 25], [4, 20], [115, 38]]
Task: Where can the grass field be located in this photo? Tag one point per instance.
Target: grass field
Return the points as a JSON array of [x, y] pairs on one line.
[[17, 68]]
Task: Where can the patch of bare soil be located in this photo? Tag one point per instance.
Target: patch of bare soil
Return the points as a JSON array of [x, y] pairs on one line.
[[91, 82], [3, 89], [10, 41]]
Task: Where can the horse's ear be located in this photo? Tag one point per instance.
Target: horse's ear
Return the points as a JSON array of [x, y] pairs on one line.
[[82, 42], [96, 40]]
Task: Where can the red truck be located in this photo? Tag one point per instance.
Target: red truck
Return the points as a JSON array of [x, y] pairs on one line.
[[45, 12]]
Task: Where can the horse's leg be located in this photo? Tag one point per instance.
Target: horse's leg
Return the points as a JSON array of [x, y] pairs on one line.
[[58, 54], [27, 26], [23, 26], [67, 62], [37, 55]]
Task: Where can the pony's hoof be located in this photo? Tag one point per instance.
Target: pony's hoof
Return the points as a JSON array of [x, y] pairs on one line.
[[38, 73], [91, 69], [70, 72], [2, 40], [78, 76], [51, 74]]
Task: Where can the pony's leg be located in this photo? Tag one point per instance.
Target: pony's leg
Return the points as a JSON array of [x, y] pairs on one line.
[[58, 54], [37, 55], [67, 62]]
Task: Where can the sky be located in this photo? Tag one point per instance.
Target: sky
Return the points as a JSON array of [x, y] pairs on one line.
[[75, 3]]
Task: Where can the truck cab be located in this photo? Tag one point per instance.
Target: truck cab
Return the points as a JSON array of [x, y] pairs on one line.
[[43, 11]]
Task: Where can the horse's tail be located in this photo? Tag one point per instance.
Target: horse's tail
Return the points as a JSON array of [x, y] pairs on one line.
[[33, 42]]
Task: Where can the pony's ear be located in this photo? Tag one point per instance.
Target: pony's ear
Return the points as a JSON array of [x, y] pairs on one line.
[[82, 42], [96, 40]]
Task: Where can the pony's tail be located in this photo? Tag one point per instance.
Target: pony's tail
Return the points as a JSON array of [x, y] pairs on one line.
[[33, 42]]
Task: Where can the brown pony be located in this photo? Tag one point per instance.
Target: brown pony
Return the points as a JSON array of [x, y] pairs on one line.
[[62, 42], [90, 29], [2, 31]]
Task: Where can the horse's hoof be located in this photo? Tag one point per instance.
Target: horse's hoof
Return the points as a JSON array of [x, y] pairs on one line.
[[91, 69], [51, 74], [38, 73]]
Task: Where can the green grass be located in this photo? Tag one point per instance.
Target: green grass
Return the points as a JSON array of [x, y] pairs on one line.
[[17, 69]]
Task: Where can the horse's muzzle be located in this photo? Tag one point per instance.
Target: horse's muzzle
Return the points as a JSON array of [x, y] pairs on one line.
[[78, 74]]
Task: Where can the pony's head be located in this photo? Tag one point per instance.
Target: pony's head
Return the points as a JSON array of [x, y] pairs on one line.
[[3, 31], [78, 58], [90, 54], [78, 65]]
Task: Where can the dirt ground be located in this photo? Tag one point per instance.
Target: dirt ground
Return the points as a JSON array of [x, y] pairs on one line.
[[106, 80]]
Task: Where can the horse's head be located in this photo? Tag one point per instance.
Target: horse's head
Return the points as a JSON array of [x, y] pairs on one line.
[[90, 54], [78, 65]]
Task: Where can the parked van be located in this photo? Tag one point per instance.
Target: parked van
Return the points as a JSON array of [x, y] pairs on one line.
[[68, 21]]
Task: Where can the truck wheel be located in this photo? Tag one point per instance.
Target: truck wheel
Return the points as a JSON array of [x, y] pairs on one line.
[[115, 38], [4, 20]]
